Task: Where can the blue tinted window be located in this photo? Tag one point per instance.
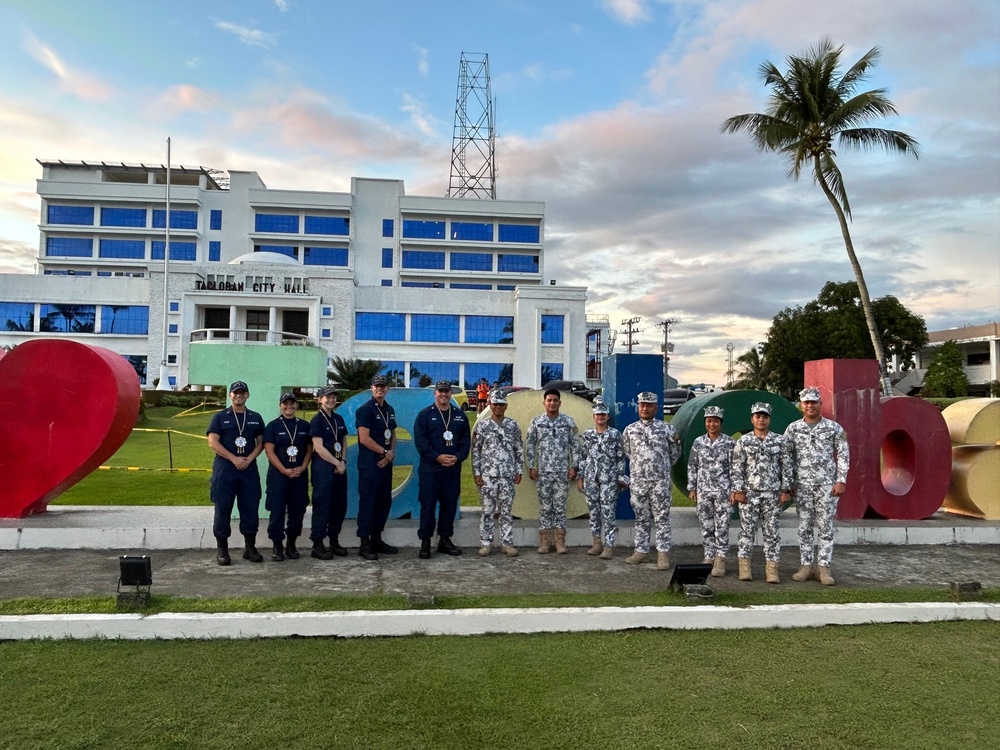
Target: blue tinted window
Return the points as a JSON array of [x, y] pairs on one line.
[[215, 219], [125, 319], [67, 318], [505, 287], [489, 329], [386, 282], [494, 372], [552, 329], [327, 311], [551, 371], [468, 231], [178, 250], [172, 379], [17, 316], [423, 374], [138, 362], [179, 219], [82, 215], [326, 333], [100, 273], [419, 284], [123, 217], [423, 259], [472, 261], [424, 230], [325, 256], [386, 257], [394, 372], [276, 223], [434, 327], [122, 249], [175, 307], [172, 328], [471, 286], [518, 233], [379, 326], [290, 250], [73, 247], [328, 225], [518, 263], [214, 251], [388, 228]]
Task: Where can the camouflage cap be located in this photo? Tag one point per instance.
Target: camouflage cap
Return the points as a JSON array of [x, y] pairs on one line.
[[809, 394], [646, 397], [714, 411], [761, 407], [600, 407], [498, 397]]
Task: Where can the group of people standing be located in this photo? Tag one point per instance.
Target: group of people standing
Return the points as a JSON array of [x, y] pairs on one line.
[[759, 472]]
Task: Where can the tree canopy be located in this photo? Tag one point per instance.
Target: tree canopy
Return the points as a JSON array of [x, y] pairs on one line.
[[945, 377], [354, 374], [833, 326]]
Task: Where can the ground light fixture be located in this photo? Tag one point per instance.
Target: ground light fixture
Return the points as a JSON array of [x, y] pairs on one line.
[[134, 571], [690, 578]]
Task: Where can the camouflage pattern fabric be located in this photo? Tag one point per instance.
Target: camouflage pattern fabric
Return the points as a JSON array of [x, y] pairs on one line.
[[602, 466], [652, 447]]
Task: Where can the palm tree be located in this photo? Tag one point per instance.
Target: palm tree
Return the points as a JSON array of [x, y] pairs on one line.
[[354, 374], [754, 373], [810, 106]]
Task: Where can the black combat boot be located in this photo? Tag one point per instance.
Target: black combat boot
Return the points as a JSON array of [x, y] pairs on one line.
[[367, 551], [222, 552], [445, 545], [250, 550], [319, 550], [279, 553], [425, 549], [379, 546], [290, 551], [336, 548]]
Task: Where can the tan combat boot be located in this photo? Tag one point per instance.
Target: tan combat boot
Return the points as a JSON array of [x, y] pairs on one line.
[[636, 557], [824, 576], [561, 542], [804, 573], [596, 547], [719, 567], [484, 551], [745, 569], [663, 561], [771, 572], [543, 541], [608, 553], [509, 551]]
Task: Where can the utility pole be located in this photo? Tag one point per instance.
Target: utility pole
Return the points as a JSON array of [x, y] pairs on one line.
[[630, 332], [730, 348], [667, 349]]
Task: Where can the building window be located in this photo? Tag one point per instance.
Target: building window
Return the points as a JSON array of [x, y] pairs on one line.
[[215, 219], [393, 371], [434, 328], [420, 284], [517, 263], [328, 225], [386, 282], [386, 257], [423, 230], [79, 215], [122, 249], [472, 261], [423, 259], [489, 329], [505, 287], [172, 379], [67, 318], [214, 251], [297, 284], [175, 307], [178, 250], [69, 247], [179, 219], [388, 227], [125, 319], [369, 326], [327, 312], [494, 372], [17, 316], [326, 333], [123, 217], [552, 329], [461, 230], [287, 223], [470, 286], [172, 329], [138, 362], [551, 371], [171, 359], [519, 233], [325, 256], [290, 250], [423, 374]]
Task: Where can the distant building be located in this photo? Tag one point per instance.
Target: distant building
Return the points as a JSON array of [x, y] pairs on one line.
[[980, 347], [435, 288]]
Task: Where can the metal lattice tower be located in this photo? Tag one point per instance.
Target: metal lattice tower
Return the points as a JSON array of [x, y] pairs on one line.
[[473, 154]]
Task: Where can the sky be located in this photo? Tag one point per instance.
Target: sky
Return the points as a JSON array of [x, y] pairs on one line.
[[608, 111]]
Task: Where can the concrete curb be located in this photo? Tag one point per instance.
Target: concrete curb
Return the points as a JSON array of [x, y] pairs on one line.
[[355, 624]]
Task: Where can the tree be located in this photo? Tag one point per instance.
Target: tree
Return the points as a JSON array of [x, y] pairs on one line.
[[812, 105], [945, 377], [833, 326], [354, 374], [754, 372]]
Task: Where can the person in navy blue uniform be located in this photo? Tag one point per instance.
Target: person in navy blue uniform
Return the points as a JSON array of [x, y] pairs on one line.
[[289, 450], [441, 435], [329, 476], [235, 434], [376, 423]]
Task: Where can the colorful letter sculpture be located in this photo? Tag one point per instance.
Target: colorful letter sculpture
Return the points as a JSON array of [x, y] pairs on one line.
[[65, 408], [974, 426]]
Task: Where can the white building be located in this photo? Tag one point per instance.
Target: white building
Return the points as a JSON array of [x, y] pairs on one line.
[[434, 287], [980, 347]]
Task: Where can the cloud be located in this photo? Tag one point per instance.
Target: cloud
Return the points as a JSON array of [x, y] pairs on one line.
[[183, 99], [627, 11], [282, 5], [419, 116], [250, 37], [16, 256], [76, 82], [423, 65]]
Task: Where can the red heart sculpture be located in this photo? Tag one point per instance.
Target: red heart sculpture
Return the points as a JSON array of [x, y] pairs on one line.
[[65, 408]]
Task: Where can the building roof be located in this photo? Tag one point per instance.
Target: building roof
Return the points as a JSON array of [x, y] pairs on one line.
[[211, 174]]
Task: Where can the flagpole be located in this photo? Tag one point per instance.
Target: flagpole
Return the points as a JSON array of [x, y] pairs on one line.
[[164, 384]]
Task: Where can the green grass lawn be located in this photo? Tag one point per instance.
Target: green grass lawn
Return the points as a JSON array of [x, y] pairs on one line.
[[874, 686]]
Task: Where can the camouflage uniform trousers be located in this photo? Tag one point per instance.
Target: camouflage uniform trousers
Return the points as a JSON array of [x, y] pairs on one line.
[[602, 497], [816, 507], [497, 497], [553, 489], [760, 509], [652, 510], [713, 512]]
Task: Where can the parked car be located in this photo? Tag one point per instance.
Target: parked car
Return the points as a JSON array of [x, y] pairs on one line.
[[576, 387], [675, 398], [506, 390]]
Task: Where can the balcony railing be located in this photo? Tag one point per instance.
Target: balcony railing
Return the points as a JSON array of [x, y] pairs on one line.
[[249, 336]]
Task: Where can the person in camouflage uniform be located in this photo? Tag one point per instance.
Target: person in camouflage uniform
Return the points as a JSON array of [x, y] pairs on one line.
[[820, 460], [760, 477], [709, 465], [551, 450], [601, 478], [652, 447], [497, 463]]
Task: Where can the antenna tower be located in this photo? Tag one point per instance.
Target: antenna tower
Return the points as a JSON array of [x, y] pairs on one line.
[[473, 152]]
